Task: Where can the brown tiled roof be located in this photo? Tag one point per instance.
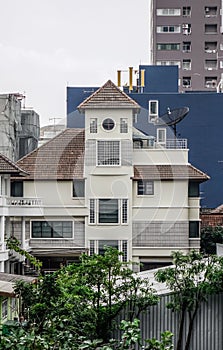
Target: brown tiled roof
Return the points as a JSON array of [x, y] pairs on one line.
[[7, 166], [108, 96], [60, 158], [169, 172]]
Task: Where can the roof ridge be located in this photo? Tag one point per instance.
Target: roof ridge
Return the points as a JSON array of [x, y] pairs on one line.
[[101, 90]]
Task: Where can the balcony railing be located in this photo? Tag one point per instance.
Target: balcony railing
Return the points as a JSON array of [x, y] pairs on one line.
[[22, 201], [168, 144]]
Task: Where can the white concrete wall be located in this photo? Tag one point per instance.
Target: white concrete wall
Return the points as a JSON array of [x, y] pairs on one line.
[[160, 156], [114, 114]]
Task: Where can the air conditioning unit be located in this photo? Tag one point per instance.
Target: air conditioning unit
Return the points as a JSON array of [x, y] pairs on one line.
[[207, 9], [185, 26]]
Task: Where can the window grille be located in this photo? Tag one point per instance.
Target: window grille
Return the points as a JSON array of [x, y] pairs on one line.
[[108, 153]]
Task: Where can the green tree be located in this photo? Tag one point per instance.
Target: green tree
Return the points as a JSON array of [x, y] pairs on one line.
[[81, 301], [191, 279], [211, 235]]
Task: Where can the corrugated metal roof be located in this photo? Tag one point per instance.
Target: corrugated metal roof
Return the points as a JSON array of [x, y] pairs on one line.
[[7, 282], [108, 96]]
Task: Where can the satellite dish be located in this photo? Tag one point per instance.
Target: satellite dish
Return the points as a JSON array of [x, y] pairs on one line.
[[172, 117]]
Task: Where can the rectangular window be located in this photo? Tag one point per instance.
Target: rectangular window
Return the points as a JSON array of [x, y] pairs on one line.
[[78, 188], [161, 136], [210, 82], [124, 125], [210, 11], [168, 29], [211, 64], [186, 46], [193, 189], [186, 11], [194, 229], [5, 308], [168, 63], [210, 46], [186, 64], [108, 153], [186, 82], [186, 28], [124, 211], [168, 47], [108, 211], [93, 125], [99, 246], [210, 28], [153, 110], [145, 187], [168, 12], [17, 189], [92, 219], [52, 229]]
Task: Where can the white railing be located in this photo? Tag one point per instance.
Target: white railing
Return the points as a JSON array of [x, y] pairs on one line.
[[176, 144], [22, 201], [168, 144]]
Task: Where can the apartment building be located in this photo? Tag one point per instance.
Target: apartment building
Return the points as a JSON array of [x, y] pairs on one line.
[[107, 184], [188, 34]]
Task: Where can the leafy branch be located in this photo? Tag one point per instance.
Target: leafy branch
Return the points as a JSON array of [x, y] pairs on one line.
[[13, 243]]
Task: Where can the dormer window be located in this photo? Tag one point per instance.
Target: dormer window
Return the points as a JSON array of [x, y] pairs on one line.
[[108, 124]]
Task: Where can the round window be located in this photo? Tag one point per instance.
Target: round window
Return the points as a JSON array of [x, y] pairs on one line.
[[108, 124]]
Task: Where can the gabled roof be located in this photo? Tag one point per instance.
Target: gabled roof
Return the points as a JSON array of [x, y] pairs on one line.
[[60, 158], [169, 172], [108, 96], [7, 166]]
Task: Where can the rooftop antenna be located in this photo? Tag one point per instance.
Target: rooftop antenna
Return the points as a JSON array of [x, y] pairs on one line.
[[172, 117], [54, 122]]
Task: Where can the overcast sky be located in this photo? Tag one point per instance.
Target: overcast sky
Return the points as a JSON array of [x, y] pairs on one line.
[[47, 45]]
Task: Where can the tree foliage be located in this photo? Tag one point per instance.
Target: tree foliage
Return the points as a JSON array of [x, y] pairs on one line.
[[191, 279], [80, 302], [211, 235]]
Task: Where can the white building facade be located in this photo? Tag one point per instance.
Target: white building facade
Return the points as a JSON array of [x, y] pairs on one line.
[[107, 185]]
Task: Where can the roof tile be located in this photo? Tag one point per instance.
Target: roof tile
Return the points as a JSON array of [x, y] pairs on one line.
[[60, 158], [169, 172], [108, 96]]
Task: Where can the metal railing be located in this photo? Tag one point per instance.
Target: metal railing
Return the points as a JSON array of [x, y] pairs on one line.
[[168, 144]]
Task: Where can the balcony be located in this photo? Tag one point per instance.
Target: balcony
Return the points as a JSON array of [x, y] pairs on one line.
[[167, 144], [21, 201], [22, 206]]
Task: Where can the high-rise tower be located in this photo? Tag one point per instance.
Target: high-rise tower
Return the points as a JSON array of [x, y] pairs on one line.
[[189, 34]]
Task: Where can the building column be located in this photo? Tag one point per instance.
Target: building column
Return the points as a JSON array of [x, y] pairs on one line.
[[2, 266], [2, 231], [23, 233]]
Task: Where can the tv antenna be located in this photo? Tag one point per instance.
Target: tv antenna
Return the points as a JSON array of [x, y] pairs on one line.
[[172, 117]]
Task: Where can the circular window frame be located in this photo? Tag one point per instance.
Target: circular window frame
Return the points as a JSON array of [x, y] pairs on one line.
[[108, 124]]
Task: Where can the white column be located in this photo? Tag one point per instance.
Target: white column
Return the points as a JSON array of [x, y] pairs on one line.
[[23, 233], [2, 266], [2, 230]]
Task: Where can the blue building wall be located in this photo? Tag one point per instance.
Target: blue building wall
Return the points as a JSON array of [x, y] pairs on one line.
[[202, 126]]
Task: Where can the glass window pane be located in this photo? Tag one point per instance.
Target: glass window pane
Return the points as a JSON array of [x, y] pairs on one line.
[[108, 211], [106, 243], [78, 188]]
